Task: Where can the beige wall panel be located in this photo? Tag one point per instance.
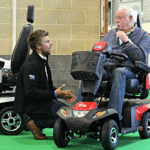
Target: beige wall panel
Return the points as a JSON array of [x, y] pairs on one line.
[[71, 16], [85, 32], [21, 16], [90, 43], [25, 3], [56, 4], [72, 24], [43, 16], [67, 47], [92, 17], [5, 31], [6, 3], [85, 4], [19, 27], [5, 46], [58, 31], [6, 15], [38, 27]]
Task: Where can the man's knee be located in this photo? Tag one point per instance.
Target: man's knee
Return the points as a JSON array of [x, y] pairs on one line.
[[118, 71]]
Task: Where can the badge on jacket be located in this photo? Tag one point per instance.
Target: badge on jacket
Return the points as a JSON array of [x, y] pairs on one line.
[[32, 77]]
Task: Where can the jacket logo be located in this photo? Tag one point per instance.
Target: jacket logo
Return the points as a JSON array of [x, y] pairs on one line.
[[32, 77]]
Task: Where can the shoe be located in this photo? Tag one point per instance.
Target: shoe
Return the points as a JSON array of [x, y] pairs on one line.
[[36, 131], [42, 134]]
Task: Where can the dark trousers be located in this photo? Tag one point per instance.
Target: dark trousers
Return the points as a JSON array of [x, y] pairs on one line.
[[118, 87], [47, 120]]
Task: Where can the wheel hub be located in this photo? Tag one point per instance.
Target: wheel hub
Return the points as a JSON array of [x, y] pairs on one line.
[[148, 125], [113, 135], [10, 122]]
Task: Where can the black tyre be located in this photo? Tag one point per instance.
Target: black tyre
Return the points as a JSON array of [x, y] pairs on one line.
[[145, 122], [60, 133], [109, 134], [11, 124]]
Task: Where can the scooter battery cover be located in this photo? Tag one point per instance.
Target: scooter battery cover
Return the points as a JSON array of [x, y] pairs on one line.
[[85, 106], [87, 66]]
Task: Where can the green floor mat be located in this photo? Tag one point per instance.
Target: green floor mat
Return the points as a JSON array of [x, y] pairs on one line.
[[25, 141]]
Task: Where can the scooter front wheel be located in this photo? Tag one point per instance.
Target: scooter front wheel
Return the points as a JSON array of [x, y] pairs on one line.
[[109, 134], [60, 133]]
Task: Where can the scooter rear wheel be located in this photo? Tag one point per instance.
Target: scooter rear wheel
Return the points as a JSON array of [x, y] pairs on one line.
[[11, 124], [145, 122], [60, 133]]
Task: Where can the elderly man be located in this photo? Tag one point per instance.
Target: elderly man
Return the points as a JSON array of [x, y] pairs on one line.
[[132, 41]]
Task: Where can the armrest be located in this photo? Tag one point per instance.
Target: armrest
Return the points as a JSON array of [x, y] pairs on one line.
[[117, 57], [143, 66], [122, 56]]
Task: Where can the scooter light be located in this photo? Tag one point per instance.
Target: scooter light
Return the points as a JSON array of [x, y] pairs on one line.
[[63, 112], [80, 113], [100, 113]]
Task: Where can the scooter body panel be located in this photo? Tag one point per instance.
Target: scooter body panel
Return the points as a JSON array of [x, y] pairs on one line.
[[83, 123]]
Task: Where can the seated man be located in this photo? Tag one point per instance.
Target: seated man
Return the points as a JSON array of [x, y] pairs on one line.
[[132, 41], [35, 93]]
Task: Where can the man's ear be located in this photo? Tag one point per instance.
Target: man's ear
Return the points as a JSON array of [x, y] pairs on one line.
[[38, 46], [130, 18]]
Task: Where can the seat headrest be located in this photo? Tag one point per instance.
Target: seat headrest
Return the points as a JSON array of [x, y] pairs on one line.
[[30, 13]]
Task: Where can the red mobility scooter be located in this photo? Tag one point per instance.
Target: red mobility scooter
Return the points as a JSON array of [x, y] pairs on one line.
[[94, 119]]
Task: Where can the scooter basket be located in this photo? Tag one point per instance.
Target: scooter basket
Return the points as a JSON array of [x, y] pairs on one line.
[[86, 65]]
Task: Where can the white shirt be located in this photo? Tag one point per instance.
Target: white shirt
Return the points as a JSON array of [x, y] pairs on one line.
[[43, 57]]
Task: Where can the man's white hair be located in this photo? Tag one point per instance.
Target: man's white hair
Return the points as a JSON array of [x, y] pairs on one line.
[[130, 12]]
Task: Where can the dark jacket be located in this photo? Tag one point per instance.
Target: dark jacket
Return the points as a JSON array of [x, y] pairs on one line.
[[33, 92], [136, 51]]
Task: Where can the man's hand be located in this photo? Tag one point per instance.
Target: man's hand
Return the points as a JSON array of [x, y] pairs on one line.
[[67, 94], [122, 36], [72, 99]]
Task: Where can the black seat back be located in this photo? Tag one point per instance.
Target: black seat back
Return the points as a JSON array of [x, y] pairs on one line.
[[21, 50]]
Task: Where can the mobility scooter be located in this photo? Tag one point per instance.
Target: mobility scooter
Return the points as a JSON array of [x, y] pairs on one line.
[[93, 118], [11, 123]]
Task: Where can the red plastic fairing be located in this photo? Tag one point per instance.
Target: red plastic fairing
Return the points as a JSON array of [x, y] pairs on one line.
[[147, 82], [140, 111], [99, 46], [85, 106]]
